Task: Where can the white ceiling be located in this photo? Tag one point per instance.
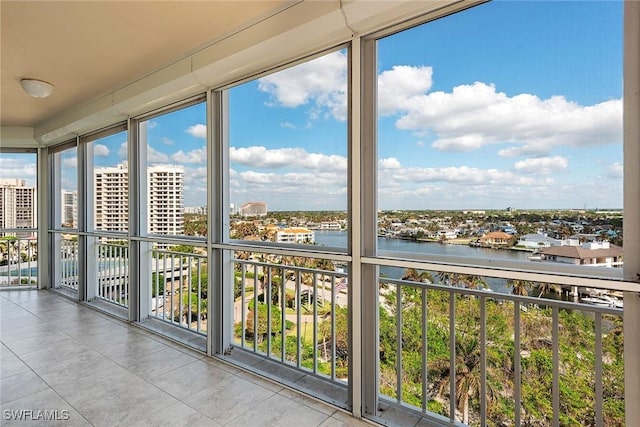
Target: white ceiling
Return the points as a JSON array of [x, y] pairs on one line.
[[87, 49]]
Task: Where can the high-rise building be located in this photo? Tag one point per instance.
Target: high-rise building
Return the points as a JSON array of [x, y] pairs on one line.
[[165, 198], [111, 198], [18, 204], [254, 209], [69, 209]]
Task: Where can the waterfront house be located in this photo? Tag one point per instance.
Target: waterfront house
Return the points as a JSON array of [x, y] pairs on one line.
[[496, 238], [594, 254]]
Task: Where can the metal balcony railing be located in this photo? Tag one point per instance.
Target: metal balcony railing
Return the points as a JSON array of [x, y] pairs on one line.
[[113, 273], [455, 354], [289, 311], [179, 289], [68, 262], [18, 257]]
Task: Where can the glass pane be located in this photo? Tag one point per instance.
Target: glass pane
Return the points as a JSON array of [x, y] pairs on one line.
[[288, 154], [65, 186], [18, 195], [176, 180], [503, 138], [514, 325], [18, 219], [109, 182]]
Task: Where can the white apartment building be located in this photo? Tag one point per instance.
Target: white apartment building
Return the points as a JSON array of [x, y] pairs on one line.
[[295, 235], [165, 199], [18, 204], [111, 199], [254, 209], [69, 207]]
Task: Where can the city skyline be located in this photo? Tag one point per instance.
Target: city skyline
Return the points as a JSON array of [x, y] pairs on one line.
[[459, 127]]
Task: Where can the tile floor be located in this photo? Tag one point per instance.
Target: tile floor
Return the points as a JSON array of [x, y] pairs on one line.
[[60, 359]]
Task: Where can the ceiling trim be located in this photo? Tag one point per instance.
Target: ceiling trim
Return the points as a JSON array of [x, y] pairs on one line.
[[298, 31]]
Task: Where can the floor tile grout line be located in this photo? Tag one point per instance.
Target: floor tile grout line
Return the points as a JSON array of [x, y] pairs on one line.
[[44, 381], [154, 336]]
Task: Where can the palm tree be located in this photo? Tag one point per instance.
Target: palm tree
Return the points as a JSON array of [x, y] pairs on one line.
[[468, 281], [4, 250], [413, 275], [543, 288], [467, 373], [520, 287]]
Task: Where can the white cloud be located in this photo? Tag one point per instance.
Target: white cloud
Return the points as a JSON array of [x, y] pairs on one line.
[[167, 141], [199, 155], [398, 86], [122, 151], [195, 183], [456, 175], [542, 165], [155, 156], [475, 115], [70, 162], [100, 150], [262, 157], [295, 182], [287, 125], [322, 81], [389, 163], [615, 171], [18, 168], [199, 131]]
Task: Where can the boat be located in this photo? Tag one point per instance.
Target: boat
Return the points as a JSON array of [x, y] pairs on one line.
[[603, 301]]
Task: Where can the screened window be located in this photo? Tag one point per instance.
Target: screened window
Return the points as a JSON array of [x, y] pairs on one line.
[[288, 154], [18, 193], [108, 182], [509, 138], [176, 165], [65, 187]]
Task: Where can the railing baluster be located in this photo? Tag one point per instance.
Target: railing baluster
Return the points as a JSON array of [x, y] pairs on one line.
[[398, 344], [555, 332], [598, 367], [199, 290], [298, 317], [516, 362], [333, 327], [19, 258], [243, 277], [283, 314], [315, 323], [452, 356], [483, 360], [424, 325], [255, 308], [267, 301]]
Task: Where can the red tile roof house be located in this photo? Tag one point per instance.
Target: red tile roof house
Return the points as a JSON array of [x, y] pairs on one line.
[[496, 238], [599, 254]]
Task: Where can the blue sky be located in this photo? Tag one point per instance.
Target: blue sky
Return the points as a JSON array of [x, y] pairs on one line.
[[511, 103]]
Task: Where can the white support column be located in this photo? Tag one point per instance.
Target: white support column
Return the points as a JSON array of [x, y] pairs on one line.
[[140, 265], [357, 337], [220, 295], [54, 215], [366, 92], [632, 208], [88, 215], [45, 205], [87, 268]]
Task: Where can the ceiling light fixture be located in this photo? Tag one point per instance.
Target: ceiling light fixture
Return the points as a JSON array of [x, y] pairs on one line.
[[36, 88]]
